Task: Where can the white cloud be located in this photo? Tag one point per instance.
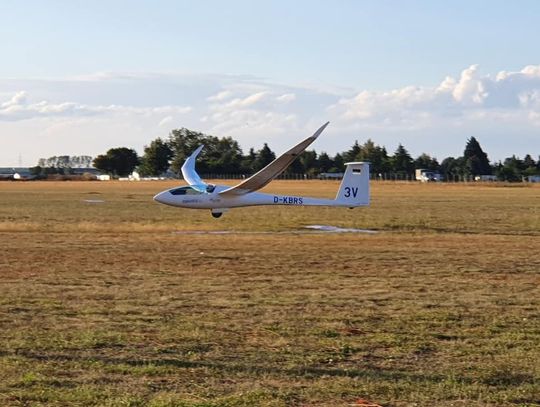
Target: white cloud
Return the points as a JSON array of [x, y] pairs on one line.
[[225, 94], [286, 97], [19, 108], [470, 88], [106, 109], [500, 96], [17, 99], [247, 101]]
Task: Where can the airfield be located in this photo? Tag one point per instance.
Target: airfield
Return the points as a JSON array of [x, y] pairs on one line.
[[108, 298]]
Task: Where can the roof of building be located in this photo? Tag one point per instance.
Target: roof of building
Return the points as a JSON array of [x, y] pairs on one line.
[[14, 170]]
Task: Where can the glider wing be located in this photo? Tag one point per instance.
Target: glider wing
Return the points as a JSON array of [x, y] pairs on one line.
[[272, 170], [189, 173]]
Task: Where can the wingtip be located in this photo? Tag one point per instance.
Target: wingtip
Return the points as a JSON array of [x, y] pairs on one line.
[[197, 151], [318, 132]]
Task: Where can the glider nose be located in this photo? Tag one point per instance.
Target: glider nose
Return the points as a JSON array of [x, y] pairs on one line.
[[161, 197]]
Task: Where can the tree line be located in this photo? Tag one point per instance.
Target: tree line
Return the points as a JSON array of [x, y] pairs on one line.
[[61, 164], [224, 156]]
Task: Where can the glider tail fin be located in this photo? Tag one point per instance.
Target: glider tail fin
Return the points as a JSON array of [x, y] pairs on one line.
[[354, 188]]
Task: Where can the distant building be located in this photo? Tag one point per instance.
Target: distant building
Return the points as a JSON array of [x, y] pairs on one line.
[[16, 173], [533, 178], [424, 175]]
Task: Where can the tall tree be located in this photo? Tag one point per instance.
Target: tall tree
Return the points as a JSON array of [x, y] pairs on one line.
[[353, 153], [224, 155], [476, 160], [182, 142], [528, 161], [248, 161], [220, 155], [375, 155], [119, 161], [264, 157], [510, 170], [66, 161], [449, 169], [63, 161], [309, 162], [402, 162], [425, 161], [529, 166], [156, 158], [296, 167], [103, 162], [80, 161], [339, 163], [325, 162]]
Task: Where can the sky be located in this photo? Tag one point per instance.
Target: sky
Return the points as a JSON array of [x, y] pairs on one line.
[[79, 77]]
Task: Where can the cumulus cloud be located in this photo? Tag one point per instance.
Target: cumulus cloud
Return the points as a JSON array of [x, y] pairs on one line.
[[247, 101], [139, 107], [286, 98], [18, 98], [224, 94], [471, 95], [470, 88], [18, 107], [251, 112]]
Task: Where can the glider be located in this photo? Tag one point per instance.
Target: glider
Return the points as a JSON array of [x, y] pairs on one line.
[[353, 191]]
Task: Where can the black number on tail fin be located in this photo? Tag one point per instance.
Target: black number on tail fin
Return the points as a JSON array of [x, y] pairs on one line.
[[349, 191]]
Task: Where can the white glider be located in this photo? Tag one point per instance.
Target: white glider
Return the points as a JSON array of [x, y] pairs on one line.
[[353, 191]]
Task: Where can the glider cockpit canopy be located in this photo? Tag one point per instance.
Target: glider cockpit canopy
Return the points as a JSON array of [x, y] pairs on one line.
[[187, 190]]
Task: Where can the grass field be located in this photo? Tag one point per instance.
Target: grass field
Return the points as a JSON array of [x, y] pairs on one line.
[[112, 304]]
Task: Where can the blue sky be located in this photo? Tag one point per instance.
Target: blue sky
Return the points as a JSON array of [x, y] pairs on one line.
[[79, 77]]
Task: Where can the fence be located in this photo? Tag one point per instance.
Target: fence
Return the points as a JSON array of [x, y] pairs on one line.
[[373, 177], [450, 178]]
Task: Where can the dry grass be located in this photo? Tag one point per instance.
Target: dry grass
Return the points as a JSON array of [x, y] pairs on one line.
[[103, 304]]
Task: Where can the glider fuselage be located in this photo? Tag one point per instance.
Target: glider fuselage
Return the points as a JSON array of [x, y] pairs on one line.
[[213, 200]]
